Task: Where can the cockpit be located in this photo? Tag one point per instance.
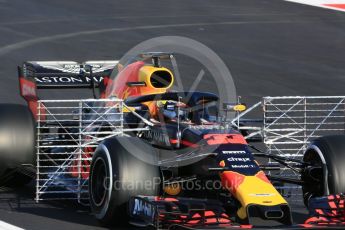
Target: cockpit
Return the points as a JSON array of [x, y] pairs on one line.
[[183, 107]]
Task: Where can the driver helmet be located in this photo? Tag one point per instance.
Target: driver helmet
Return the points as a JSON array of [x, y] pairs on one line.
[[169, 110]]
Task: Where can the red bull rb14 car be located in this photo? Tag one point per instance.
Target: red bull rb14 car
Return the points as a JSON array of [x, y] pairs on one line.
[[145, 154]]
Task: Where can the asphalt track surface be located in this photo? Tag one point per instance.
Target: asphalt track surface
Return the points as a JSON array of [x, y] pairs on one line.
[[272, 47]]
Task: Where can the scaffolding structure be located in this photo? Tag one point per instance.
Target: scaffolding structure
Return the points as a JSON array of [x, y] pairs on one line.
[[68, 131], [289, 124]]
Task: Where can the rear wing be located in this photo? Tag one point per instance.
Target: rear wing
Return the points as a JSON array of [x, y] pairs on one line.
[[66, 74], [34, 75]]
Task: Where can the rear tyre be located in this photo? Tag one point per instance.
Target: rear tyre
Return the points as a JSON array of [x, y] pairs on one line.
[[326, 174], [15, 178], [17, 144], [115, 176]]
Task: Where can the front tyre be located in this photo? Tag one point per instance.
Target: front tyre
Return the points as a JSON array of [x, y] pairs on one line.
[[115, 176], [326, 171]]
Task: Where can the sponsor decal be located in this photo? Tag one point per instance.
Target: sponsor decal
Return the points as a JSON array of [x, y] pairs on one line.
[[234, 152], [68, 79], [243, 166], [262, 194], [157, 136], [239, 159], [71, 66], [144, 208], [27, 88]]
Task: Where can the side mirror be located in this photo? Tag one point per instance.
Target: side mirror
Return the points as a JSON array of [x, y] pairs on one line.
[[234, 107]]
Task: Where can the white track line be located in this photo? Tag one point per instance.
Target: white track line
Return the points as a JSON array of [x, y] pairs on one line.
[[321, 3], [30, 42], [7, 226]]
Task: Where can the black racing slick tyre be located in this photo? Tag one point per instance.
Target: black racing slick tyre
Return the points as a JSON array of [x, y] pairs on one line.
[[326, 171], [116, 175], [17, 144]]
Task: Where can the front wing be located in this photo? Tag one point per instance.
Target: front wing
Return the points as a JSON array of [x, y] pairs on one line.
[[192, 213]]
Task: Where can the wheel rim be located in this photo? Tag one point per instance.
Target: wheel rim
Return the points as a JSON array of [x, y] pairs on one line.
[[314, 187], [99, 182]]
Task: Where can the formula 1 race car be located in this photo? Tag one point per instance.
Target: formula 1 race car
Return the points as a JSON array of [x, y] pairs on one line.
[[143, 154]]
